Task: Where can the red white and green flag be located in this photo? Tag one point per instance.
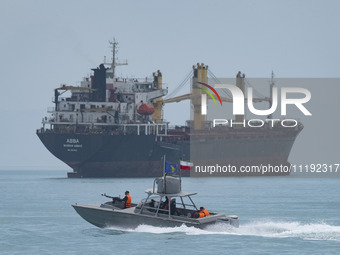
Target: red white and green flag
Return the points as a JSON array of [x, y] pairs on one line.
[[186, 165]]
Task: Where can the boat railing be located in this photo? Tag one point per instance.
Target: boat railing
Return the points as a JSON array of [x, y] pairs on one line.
[[158, 209], [154, 184], [169, 211]]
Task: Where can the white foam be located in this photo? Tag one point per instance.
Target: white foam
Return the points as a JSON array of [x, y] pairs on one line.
[[263, 228]]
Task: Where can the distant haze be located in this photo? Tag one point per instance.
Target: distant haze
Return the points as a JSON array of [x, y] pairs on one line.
[[48, 43]]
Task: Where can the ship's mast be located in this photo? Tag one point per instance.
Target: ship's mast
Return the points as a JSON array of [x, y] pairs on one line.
[[114, 50], [114, 60]]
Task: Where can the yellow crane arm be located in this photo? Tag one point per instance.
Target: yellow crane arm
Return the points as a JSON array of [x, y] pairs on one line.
[[224, 99]]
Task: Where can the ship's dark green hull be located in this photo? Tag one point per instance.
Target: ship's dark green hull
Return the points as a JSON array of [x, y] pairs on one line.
[[109, 155]]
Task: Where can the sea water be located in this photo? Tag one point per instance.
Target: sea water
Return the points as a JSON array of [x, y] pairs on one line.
[[278, 215]]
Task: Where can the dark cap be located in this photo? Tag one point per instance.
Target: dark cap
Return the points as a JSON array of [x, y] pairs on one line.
[[126, 192], [201, 207]]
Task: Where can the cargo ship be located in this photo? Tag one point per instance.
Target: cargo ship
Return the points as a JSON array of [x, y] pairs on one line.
[[113, 127]]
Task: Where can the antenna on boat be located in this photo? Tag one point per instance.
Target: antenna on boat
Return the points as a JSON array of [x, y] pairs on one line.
[[164, 175]]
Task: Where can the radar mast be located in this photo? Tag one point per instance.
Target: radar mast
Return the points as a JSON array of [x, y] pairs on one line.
[[115, 62]]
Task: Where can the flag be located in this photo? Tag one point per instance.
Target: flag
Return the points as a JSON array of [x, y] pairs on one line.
[[170, 168], [186, 165]]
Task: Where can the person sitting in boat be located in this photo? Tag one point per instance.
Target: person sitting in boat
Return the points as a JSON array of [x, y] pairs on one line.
[[126, 200], [173, 210], [201, 213], [165, 204]]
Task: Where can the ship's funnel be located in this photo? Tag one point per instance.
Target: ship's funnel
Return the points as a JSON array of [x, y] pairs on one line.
[[99, 84]]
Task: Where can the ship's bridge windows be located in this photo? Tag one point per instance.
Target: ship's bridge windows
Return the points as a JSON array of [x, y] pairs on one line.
[[92, 106], [82, 106], [72, 107]]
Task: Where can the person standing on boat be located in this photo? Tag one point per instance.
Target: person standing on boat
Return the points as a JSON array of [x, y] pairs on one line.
[[126, 200], [165, 204]]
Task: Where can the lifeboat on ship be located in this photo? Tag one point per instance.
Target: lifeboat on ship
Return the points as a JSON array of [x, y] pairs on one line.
[[146, 109]]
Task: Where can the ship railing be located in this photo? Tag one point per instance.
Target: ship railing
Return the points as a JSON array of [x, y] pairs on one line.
[[52, 110], [134, 79], [70, 99], [158, 129]]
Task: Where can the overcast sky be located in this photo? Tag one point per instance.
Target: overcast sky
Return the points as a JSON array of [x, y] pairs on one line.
[[47, 43]]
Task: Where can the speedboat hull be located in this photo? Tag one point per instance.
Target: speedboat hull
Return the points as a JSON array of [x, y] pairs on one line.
[[106, 216]]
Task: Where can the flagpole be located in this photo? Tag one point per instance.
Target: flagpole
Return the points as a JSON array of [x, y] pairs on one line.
[[164, 177], [163, 165], [180, 175]]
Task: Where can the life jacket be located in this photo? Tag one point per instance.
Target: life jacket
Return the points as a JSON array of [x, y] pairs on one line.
[[203, 213], [127, 203], [166, 206]]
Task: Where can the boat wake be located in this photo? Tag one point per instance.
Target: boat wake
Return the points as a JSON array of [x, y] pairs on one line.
[[273, 229]]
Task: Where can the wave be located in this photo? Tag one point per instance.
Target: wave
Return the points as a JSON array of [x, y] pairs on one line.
[[263, 228]]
